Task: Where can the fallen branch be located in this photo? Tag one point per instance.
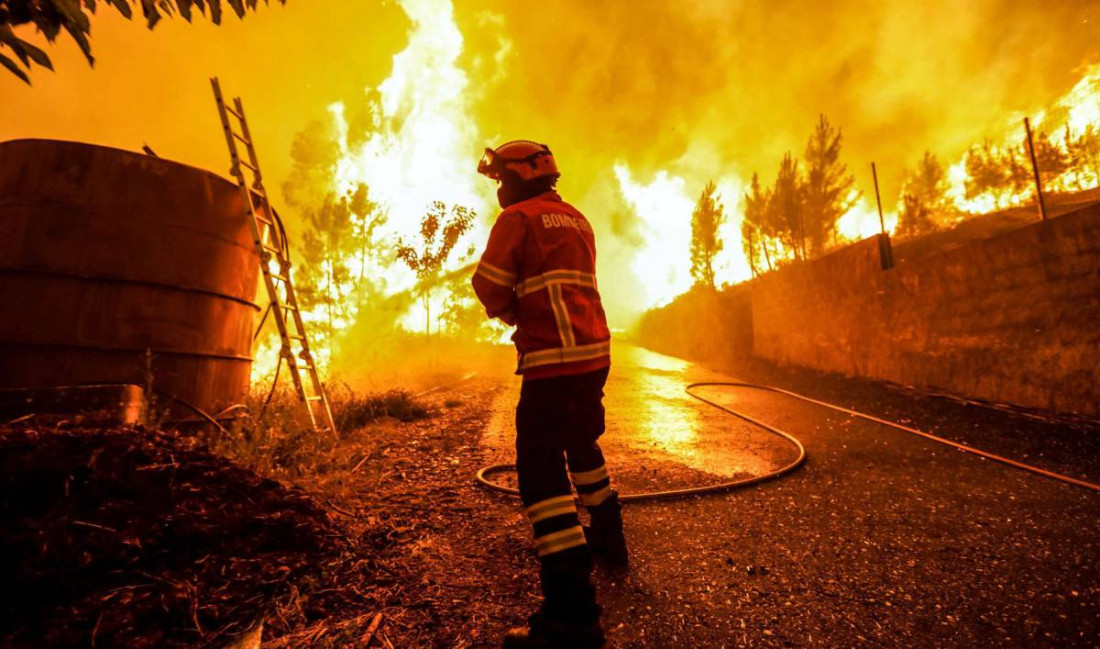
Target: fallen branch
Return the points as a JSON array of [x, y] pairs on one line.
[[364, 641], [340, 509], [356, 467]]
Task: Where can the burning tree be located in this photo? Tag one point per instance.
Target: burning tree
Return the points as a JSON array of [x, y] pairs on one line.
[[462, 312], [923, 196], [1053, 161], [342, 233], [1083, 153], [438, 236], [827, 191], [784, 213], [52, 16], [708, 217], [1015, 161], [1005, 173], [985, 173], [799, 208], [755, 229]]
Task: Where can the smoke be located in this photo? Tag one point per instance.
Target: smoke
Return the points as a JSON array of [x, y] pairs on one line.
[[643, 103], [659, 98], [669, 86]]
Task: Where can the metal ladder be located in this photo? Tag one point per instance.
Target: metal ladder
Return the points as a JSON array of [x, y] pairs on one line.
[[271, 245]]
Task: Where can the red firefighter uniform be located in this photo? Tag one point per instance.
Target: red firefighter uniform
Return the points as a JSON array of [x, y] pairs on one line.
[[538, 273]]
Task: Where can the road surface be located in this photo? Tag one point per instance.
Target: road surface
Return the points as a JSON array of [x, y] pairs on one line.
[[881, 539]]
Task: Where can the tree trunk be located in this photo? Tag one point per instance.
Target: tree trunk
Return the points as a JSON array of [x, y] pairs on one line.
[[329, 301], [752, 257], [427, 317]]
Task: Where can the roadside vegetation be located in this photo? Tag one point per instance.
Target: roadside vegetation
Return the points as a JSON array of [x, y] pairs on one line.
[[274, 437]]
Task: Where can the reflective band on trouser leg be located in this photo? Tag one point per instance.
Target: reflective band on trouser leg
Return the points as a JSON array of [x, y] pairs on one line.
[[593, 486], [596, 497], [589, 477], [561, 540], [556, 506]]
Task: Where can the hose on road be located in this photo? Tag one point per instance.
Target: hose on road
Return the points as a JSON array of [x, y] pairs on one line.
[[484, 473]]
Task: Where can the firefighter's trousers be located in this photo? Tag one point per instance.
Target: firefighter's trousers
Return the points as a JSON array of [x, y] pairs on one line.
[[558, 422]]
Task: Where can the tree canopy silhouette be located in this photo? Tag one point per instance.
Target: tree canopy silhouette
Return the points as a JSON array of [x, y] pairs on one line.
[[924, 197], [708, 217], [755, 229], [51, 17], [827, 191], [784, 214], [439, 233]]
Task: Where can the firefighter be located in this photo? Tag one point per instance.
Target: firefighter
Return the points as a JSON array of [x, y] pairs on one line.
[[538, 273]]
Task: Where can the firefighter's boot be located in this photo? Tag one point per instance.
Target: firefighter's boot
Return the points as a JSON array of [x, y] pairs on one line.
[[543, 633], [569, 617], [605, 534]]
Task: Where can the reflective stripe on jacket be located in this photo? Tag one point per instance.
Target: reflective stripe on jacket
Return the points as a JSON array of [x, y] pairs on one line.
[[538, 273]]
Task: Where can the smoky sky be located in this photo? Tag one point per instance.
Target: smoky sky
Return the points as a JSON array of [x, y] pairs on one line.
[[725, 88]]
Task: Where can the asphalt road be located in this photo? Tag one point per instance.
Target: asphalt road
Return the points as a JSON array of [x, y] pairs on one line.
[[881, 539]]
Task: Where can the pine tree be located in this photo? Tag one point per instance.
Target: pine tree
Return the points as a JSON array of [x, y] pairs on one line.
[[784, 213], [985, 171], [827, 190], [924, 197], [754, 229], [1053, 161], [708, 217], [1016, 169], [1083, 153]]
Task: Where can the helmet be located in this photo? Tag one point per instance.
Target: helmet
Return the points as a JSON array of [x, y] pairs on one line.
[[529, 160]]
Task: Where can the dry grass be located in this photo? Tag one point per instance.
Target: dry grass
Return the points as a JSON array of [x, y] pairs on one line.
[[396, 481], [352, 411], [341, 473], [278, 442]]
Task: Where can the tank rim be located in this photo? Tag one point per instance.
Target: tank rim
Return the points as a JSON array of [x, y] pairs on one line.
[[136, 154]]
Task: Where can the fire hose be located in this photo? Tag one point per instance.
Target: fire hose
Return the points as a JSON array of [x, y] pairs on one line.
[[722, 487]]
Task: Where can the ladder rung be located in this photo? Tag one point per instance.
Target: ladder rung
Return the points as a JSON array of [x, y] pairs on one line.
[[231, 111], [281, 278], [315, 397], [245, 141], [295, 336]]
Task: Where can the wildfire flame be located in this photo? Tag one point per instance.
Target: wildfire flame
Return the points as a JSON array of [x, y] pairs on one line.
[[1077, 110], [664, 207], [423, 137], [419, 147]]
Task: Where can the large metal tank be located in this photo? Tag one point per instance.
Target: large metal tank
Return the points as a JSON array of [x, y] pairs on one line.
[[113, 262]]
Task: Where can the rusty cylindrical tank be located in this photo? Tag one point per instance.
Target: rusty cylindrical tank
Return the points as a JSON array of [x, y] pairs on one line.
[[105, 254]]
